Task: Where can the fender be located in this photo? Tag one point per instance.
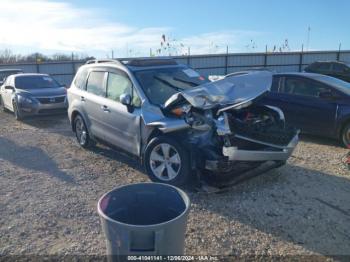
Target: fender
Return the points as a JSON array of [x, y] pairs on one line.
[[343, 117], [74, 109]]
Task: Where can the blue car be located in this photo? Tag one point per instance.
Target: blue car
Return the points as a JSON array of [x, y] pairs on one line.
[[317, 104]]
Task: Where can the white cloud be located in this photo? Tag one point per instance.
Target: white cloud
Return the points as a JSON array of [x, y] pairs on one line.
[[41, 25]]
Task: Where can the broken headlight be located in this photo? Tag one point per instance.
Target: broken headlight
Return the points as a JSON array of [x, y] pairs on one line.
[[179, 111]]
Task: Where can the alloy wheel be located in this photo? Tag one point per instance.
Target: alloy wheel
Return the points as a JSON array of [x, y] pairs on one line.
[[81, 132], [16, 111], [165, 162]]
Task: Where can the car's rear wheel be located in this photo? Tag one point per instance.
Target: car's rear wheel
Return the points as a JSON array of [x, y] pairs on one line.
[[346, 135], [16, 111], [166, 161], [82, 133]]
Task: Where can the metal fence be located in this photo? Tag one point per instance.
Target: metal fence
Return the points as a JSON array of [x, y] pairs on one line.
[[218, 64]]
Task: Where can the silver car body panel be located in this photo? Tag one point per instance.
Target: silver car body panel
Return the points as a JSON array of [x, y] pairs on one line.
[[170, 125]]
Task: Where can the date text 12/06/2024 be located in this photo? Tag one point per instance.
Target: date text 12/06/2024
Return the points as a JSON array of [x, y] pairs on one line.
[[172, 258]]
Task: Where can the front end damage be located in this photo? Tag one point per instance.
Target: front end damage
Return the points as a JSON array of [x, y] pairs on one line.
[[224, 126], [254, 134]]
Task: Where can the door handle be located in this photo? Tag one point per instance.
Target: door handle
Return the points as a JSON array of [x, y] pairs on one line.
[[105, 109], [82, 99]]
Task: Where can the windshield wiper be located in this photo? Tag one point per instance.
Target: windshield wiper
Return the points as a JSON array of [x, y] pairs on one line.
[[167, 83]]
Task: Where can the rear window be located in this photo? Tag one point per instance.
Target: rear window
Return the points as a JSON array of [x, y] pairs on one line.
[[35, 82], [323, 66], [340, 85]]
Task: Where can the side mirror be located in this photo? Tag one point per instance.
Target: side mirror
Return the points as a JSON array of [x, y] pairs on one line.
[[326, 94], [125, 99], [9, 88]]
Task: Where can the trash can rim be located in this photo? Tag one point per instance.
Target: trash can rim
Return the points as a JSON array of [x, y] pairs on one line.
[[180, 191]]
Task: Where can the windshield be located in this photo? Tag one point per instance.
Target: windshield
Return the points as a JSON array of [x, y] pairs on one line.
[[35, 82], [335, 82], [160, 84]]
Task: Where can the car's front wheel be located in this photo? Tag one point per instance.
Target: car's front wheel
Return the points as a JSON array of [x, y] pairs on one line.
[[81, 132], [346, 135], [16, 111], [166, 161], [2, 105]]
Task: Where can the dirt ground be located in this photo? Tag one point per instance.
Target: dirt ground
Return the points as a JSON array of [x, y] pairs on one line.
[[49, 188]]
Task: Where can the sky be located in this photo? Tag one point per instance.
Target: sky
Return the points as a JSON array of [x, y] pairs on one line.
[[135, 27]]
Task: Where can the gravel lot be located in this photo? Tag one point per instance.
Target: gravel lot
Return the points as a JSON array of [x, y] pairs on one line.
[[49, 188]]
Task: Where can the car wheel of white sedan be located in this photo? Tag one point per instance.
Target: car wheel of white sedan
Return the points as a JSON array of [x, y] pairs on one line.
[[2, 105], [16, 111]]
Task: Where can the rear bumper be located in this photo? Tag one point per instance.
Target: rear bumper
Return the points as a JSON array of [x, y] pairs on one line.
[[233, 155]]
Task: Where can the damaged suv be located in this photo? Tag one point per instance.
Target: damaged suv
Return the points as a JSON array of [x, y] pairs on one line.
[[176, 121]]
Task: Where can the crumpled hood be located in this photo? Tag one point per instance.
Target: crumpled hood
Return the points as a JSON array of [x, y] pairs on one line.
[[232, 90]]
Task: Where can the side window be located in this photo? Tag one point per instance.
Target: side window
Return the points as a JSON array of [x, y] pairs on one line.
[[118, 84], [80, 80], [339, 68], [95, 83], [324, 66], [304, 87]]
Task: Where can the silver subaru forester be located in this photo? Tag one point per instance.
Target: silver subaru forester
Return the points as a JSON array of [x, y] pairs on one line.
[[177, 121]]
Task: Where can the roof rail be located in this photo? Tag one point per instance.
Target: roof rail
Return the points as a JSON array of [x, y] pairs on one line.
[[98, 61], [159, 61]]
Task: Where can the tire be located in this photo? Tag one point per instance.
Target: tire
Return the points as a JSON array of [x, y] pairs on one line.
[[166, 161], [2, 105], [345, 135], [16, 111], [81, 132]]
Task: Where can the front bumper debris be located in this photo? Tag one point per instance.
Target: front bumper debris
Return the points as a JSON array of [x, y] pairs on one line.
[[233, 154]]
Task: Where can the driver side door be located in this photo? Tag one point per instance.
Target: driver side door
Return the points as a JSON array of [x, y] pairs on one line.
[[121, 122]]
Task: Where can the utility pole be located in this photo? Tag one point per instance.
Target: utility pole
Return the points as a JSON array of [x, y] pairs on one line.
[[301, 58], [308, 38], [188, 56], [338, 55], [112, 54], [226, 61]]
